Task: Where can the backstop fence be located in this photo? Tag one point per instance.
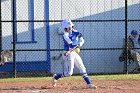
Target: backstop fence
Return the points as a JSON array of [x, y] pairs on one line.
[[32, 30]]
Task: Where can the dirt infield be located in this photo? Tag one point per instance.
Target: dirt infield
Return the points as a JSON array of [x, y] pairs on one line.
[[71, 87]]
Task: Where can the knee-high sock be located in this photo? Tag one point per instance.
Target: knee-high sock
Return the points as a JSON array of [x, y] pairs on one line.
[[86, 78], [59, 76]]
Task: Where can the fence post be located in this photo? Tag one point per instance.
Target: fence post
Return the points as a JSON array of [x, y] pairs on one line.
[[126, 48], [14, 38]]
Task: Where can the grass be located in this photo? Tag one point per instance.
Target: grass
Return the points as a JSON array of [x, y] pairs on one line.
[[92, 77], [117, 77]]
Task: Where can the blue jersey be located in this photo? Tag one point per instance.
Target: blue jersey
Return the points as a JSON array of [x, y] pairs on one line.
[[71, 39]]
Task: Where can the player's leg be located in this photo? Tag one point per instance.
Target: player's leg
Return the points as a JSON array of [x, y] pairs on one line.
[[69, 69], [136, 55], [79, 64]]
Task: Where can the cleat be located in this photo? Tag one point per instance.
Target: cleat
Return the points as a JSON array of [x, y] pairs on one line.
[[54, 81], [92, 86]]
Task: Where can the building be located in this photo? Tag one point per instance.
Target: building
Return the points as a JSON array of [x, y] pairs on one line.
[[37, 25]]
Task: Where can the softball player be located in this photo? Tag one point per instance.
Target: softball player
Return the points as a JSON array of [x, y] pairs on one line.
[[135, 41], [72, 38]]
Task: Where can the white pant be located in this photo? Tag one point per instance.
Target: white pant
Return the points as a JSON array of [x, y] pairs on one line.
[[71, 60]]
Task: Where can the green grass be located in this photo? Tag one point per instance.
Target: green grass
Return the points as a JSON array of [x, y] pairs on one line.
[[117, 77], [92, 77]]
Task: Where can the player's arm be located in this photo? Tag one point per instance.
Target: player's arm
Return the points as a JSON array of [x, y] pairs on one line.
[[81, 39], [72, 47], [70, 50]]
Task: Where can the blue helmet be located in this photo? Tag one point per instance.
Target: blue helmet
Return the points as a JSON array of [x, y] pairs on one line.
[[134, 32]]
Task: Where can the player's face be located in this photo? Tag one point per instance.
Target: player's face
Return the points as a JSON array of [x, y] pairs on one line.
[[69, 29]]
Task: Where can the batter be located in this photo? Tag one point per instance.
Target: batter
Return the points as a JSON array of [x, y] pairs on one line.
[[72, 38]]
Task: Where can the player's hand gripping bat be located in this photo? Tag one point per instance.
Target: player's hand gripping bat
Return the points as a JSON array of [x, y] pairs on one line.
[[72, 49]]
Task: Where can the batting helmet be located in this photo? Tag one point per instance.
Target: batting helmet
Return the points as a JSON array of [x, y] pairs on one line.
[[67, 23]]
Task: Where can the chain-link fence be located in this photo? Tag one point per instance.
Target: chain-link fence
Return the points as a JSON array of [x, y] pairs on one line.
[[32, 30]]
